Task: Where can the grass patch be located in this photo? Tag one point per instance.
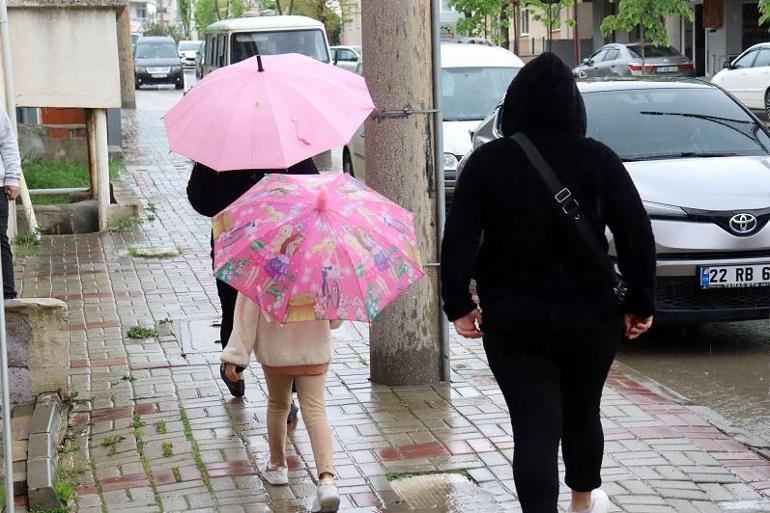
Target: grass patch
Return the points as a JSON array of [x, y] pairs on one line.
[[26, 244], [139, 436], [142, 332], [168, 449], [125, 224], [177, 474], [56, 174], [2, 496], [136, 422], [197, 458], [160, 427], [111, 444]]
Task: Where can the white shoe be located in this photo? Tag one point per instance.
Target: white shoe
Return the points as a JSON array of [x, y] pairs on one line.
[[275, 476], [600, 503], [327, 500]]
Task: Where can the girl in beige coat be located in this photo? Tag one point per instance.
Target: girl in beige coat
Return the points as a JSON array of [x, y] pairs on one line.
[[295, 353]]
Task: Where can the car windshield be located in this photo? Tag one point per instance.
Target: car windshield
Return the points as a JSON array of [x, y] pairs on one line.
[[156, 50], [305, 42], [189, 45], [652, 52], [468, 94], [652, 124]]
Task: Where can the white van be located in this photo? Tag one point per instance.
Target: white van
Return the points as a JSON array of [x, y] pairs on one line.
[[231, 41], [473, 80]]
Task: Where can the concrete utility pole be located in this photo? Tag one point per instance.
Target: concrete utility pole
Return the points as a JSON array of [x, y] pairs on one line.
[[126, 56], [405, 338]]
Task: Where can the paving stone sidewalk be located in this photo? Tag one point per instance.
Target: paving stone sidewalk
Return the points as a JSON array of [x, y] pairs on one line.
[[154, 429]]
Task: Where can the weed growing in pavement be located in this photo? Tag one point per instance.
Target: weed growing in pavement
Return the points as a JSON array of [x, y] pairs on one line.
[[136, 422], [98, 485], [168, 449], [165, 321], [177, 474], [152, 211], [125, 224], [139, 437], [142, 332], [396, 476], [160, 427], [111, 444], [26, 244], [76, 433], [197, 458]]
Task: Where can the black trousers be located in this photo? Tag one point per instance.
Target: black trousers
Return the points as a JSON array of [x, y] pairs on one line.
[[553, 384], [9, 287], [227, 296]]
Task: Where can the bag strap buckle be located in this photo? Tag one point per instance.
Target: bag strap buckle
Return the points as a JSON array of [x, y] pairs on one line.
[[563, 195]]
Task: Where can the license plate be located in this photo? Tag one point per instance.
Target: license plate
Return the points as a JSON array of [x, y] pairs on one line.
[[735, 276], [667, 69], [159, 75]]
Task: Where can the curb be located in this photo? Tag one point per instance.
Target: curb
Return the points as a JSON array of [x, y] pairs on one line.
[[42, 456], [754, 442]]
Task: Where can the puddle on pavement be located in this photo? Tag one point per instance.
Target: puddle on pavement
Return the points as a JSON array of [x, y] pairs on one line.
[[724, 366], [448, 493]]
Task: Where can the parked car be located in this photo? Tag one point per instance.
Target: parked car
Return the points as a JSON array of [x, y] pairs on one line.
[[346, 57], [701, 162], [134, 38], [231, 41], [188, 52], [156, 61], [200, 59], [473, 78], [625, 60], [748, 77]]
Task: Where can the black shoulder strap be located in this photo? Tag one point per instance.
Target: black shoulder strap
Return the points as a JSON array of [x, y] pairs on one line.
[[563, 196]]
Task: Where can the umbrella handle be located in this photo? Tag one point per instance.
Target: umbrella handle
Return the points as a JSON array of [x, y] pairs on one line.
[[259, 63]]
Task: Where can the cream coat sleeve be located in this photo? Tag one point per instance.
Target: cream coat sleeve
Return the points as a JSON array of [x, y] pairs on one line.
[[243, 339]]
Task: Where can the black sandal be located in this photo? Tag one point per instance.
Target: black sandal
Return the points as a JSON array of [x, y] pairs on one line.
[[237, 388]]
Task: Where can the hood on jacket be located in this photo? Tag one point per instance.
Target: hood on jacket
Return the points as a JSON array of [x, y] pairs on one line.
[[544, 97]]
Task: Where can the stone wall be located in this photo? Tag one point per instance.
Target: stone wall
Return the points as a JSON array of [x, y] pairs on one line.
[[38, 347]]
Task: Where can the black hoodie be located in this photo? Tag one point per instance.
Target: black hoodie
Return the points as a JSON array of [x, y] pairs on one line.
[[532, 268]]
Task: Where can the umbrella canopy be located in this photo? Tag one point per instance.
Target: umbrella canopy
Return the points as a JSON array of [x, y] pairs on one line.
[[271, 116], [308, 247]]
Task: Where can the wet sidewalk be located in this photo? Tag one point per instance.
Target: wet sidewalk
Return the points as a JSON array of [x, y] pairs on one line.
[[155, 430]]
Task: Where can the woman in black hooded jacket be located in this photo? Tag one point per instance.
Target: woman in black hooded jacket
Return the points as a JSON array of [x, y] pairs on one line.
[[550, 316]]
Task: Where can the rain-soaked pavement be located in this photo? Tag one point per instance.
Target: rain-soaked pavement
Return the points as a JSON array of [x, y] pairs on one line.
[[725, 366]]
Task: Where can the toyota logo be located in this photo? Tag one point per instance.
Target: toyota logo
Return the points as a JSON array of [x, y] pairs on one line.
[[743, 224]]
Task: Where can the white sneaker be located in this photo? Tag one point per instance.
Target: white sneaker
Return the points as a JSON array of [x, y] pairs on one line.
[[327, 500], [275, 476], [600, 502]]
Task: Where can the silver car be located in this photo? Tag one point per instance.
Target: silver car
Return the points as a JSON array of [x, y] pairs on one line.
[[625, 60], [701, 162]]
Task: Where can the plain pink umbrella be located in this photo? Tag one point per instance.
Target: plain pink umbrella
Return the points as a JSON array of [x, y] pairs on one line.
[[268, 112], [316, 247]]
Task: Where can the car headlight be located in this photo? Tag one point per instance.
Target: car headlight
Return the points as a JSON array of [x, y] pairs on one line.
[[176, 68], [661, 210], [450, 162]]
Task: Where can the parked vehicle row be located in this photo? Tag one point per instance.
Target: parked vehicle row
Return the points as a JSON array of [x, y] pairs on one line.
[[635, 59], [748, 78]]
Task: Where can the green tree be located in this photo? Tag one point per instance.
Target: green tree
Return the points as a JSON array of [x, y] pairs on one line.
[[321, 10], [484, 18], [649, 16], [237, 8], [206, 13], [184, 8], [156, 29], [764, 11], [549, 13]]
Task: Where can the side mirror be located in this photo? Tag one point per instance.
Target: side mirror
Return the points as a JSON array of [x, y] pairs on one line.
[[587, 61], [472, 133], [728, 65]]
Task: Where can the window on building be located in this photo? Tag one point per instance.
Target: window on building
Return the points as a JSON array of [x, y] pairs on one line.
[[141, 11], [525, 22]]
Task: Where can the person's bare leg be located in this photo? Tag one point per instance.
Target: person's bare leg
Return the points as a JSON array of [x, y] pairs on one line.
[[581, 500]]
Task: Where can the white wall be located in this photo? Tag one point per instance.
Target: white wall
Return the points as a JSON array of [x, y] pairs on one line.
[[65, 57]]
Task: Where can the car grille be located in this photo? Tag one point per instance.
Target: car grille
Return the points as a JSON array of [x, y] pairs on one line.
[[685, 294], [158, 70]]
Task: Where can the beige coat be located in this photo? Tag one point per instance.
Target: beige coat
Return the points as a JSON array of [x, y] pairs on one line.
[[296, 348]]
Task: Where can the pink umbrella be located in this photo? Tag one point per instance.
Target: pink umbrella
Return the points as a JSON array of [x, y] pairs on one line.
[[310, 247], [250, 116]]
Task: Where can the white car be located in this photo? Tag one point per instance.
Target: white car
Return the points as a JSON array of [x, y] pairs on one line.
[[346, 57], [473, 80], [748, 77]]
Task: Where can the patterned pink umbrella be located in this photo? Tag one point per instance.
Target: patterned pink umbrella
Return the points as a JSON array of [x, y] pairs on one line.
[[268, 113], [308, 247]]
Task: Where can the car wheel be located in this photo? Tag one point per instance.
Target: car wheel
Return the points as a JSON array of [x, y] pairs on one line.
[[767, 105], [347, 163], [179, 85]]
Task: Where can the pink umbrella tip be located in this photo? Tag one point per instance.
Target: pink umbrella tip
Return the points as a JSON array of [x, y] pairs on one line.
[[322, 200]]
